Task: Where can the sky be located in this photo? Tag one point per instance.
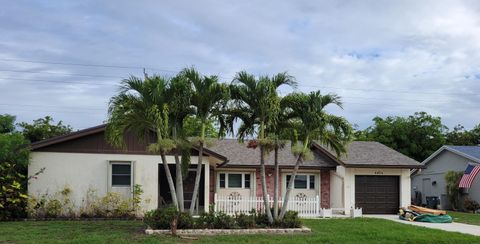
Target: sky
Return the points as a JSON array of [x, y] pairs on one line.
[[384, 58]]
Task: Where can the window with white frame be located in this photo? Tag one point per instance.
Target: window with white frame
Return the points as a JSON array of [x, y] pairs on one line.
[[234, 180], [302, 181], [121, 174]]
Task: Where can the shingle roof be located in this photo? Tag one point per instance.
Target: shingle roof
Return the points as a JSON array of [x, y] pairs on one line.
[[359, 154], [370, 153], [472, 151], [239, 155]]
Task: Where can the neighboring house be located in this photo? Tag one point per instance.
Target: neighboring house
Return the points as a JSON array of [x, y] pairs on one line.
[[373, 176], [430, 182]]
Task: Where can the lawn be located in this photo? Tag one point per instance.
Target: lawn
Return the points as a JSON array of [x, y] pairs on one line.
[[360, 230], [467, 218]]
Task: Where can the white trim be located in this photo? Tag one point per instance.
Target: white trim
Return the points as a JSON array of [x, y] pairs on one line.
[[110, 187], [226, 173], [206, 192]]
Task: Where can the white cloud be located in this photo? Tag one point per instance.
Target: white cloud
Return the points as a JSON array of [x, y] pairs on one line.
[[428, 51]]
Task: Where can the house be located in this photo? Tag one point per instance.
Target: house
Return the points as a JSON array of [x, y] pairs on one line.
[[430, 182], [371, 176]]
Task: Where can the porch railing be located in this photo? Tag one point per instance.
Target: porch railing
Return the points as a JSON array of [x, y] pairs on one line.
[[305, 206]]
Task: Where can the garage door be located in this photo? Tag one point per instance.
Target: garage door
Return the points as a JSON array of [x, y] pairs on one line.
[[377, 194]]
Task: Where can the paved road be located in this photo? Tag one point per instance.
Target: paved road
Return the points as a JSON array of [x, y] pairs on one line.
[[454, 227]]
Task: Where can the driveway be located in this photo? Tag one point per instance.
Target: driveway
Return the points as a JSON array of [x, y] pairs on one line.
[[453, 227]]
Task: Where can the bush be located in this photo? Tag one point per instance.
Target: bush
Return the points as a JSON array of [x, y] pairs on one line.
[[162, 219], [245, 221], [470, 204], [291, 220]]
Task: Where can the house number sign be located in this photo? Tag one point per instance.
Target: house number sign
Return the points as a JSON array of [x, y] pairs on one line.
[[378, 172]]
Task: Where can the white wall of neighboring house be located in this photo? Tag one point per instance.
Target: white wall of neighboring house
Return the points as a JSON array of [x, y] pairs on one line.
[[348, 175], [83, 171]]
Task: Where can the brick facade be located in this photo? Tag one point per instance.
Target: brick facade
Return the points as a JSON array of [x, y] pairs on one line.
[[269, 172], [325, 188]]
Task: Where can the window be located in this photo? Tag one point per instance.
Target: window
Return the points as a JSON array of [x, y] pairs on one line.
[[121, 174], [222, 180], [234, 180], [302, 181], [312, 182]]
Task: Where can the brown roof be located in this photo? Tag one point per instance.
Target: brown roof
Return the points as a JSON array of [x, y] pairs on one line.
[[235, 154], [239, 155], [374, 154]]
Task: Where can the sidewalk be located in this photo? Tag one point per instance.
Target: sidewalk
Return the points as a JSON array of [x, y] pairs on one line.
[[453, 227]]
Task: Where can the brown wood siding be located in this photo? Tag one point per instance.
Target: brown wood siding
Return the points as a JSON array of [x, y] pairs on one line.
[[377, 194], [96, 143]]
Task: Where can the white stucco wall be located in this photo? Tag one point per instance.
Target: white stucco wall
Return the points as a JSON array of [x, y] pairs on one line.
[[336, 190], [349, 182], [83, 171]]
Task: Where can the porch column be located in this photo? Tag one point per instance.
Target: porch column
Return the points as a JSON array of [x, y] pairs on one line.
[[206, 187]]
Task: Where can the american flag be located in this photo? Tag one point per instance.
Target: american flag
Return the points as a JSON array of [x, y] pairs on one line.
[[469, 175]]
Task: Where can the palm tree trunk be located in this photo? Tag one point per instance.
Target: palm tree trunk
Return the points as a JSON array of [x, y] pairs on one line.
[[275, 185], [264, 185], [179, 182], [290, 187], [169, 179], [197, 179]]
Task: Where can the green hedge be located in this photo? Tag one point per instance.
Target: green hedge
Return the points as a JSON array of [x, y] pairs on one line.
[[163, 218]]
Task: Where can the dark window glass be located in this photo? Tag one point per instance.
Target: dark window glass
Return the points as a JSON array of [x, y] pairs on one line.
[[300, 182], [247, 180], [288, 179], [222, 180], [235, 180], [312, 181], [121, 174]]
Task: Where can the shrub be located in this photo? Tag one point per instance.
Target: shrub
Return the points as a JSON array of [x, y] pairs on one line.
[[452, 179], [291, 220], [163, 218], [223, 221], [245, 221], [185, 221], [470, 204]]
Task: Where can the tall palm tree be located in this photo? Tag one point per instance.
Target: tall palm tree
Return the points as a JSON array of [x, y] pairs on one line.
[[179, 99], [140, 107], [257, 105], [314, 123], [208, 100]]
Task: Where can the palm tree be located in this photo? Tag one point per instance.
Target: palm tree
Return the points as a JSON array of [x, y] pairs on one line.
[[208, 99], [179, 100], [312, 122], [141, 107], [257, 105]]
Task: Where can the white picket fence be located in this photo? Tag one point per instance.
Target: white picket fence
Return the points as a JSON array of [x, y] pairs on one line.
[[306, 207]]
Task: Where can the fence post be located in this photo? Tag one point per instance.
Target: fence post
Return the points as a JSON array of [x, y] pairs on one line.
[[215, 202], [317, 205]]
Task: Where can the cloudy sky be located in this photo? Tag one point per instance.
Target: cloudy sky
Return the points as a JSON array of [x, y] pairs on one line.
[[65, 58]]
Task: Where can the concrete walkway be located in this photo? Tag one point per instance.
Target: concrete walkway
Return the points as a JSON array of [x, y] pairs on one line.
[[453, 227]]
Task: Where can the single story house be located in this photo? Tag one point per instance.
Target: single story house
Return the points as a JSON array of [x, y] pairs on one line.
[[372, 176], [430, 182]]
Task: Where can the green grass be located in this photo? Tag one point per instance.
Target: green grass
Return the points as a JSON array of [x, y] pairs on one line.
[[467, 218], [360, 230]]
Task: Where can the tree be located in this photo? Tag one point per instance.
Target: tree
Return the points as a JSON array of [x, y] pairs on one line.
[[417, 136], [312, 122], [44, 128], [14, 156], [7, 123], [141, 107], [461, 136], [179, 93], [209, 100], [452, 178], [256, 105], [192, 127]]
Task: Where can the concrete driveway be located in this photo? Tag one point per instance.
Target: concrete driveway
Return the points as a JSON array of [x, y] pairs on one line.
[[453, 227]]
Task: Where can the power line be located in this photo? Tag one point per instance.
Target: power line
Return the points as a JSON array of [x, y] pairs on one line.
[[171, 71], [59, 81], [66, 74], [87, 65]]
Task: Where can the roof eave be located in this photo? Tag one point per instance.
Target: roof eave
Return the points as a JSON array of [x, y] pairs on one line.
[[384, 166]]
